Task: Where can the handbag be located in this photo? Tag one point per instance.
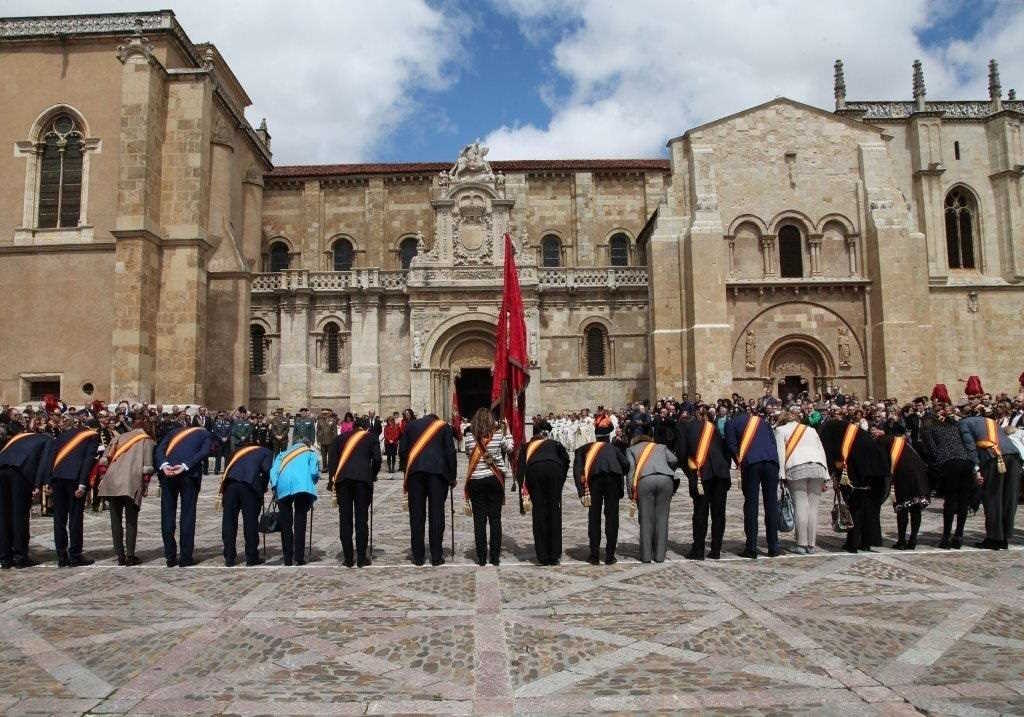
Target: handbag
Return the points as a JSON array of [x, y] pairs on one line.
[[270, 520], [842, 519], [786, 510]]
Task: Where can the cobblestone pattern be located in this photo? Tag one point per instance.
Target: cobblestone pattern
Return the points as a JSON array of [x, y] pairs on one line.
[[886, 633]]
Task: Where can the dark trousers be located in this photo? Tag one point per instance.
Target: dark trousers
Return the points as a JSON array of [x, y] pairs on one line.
[[424, 488], [911, 515], [15, 505], [124, 524], [487, 495], [67, 519], [240, 498], [712, 504], [545, 481], [872, 534], [859, 502], [999, 495], [761, 479], [956, 479], [293, 529], [354, 498], [391, 451], [186, 488], [220, 458], [605, 493]]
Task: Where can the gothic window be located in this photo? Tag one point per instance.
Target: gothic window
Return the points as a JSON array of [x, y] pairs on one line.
[[257, 350], [344, 256], [595, 340], [641, 252], [406, 251], [279, 257], [332, 348], [618, 250], [961, 213], [791, 258], [60, 174], [550, 251]]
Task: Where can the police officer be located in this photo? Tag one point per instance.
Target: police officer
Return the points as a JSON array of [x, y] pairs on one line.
[[701, 452], [751, 443], [69, 460], [279, 427], [353, 466], [305, 428], [21, 470], [222, 433], [427, 449], [598, 469], [241, 429], [326, 433], [543, 465], [179, 457], [242, 487]]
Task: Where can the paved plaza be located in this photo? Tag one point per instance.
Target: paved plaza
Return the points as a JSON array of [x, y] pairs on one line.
[[931, 632]]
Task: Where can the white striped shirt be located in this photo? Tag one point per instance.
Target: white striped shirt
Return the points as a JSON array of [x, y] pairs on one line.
[[498, 440]]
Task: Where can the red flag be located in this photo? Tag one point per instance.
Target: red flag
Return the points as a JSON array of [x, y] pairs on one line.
[[511, 374]]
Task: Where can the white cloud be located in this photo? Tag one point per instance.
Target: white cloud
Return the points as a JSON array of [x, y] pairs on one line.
[[640, 72], [333, 79]]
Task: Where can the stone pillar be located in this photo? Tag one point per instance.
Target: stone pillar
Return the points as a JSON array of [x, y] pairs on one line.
[[181, 323], [293, 371], [364, 374], [583, 204], [310, 244], [666, 346], [1004, 137], [376, 221], [925, 137], [814, 250]]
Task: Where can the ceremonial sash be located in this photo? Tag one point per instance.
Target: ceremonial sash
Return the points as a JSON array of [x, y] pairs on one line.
[[291, 456], [896, 451], [479, 451], [749, 431], [15, 439], [178, 438], [993, 437], [532, 448], [353, 441], [127, 446], [418, 447], [240, 453], [71, 445], [848, 438], [588, 463], [703, 448], [794, 440], [641, 461]]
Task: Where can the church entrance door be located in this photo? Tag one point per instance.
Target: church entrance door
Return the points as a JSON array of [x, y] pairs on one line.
[[796, 366], [473, 387]]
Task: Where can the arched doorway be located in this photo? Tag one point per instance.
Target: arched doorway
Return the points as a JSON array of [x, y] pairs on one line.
[[795, 366], [460, 364]]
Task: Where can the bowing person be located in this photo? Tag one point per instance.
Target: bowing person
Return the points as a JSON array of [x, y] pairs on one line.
[[598, 469], [180, 456], [803, 467], [861, 468], [486, 446], [909, 485], [241, 491], [701, 447], [71, 457], [652, 480], [952, 471], [353, 465], [543, 466], [428, 457], [997, 468], [293, 478], [129, 463], [22, 468], [751, 444]]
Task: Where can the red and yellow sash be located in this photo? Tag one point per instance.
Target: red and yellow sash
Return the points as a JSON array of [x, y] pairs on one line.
[[794, 440], [588, 463], [290, 457], [848, 438], [703, 448], [641, 461], [178, 438], [71, 445], [15, 439], [896, 451], [418, 447], [239, 454], [749, 431], [532, 447], [353, 441], [993, 437], [127, 446], [474, 460]]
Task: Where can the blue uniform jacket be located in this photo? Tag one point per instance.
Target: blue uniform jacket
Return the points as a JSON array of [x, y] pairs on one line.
[[252, 469], [76, 465], [762, 448], [974, 429], [26, 456], [299, 476], [191, 450]]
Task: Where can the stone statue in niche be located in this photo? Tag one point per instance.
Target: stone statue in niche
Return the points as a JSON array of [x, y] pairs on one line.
[[843, 347], [417, 350], [750, 349], [471, 163], [533, 347]]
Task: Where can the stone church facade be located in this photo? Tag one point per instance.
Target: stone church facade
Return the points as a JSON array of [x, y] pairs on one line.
[[156, 253]]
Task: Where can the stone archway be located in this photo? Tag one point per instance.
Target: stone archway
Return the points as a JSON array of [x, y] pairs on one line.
[[460, 360], [796, 364]]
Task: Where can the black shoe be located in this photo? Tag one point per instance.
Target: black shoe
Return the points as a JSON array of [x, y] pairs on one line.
[[594, 560], [229, 563], [172, 562], [253, 563], [131, 561], [774, 552], [418, 563], [481, 562], [944, 544], [6, 564], [349, 562], [81, 561], [288, 562], [985, 544], [849, 548], [122, 560], [610, 560], [695, 554], [748, 553], [25, 563], [715, 554], [956, 543], [899, 545], [186, 563], [911, 544], [364, 562], [495, 562], [556, 561], [439, 561], [1004, 545], [300, 561]]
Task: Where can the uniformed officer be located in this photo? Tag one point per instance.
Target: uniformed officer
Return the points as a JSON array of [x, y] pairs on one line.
[[179, 457], [353, 466], [598, 469], [326, 433], [305, 428], [427, 449], [701, 450], [751, 443], [222, 450], [543, 465], [21, 471], [279, 427], [69, 460], [241, 488], [997, 469], [241, 429]]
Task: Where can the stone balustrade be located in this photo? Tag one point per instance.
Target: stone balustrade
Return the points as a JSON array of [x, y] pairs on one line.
[[607, 277]]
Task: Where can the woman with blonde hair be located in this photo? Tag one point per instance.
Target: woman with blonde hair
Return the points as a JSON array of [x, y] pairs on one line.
[[803, 469], [486, 445]]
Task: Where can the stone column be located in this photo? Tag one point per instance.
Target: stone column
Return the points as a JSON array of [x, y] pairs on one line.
[[310, 244], [925, 137], [666, 346], [364, 373], [1004, 137], [583, 204], [814, 250], [293, 371]]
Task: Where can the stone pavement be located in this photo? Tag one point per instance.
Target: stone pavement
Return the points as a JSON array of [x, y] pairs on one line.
[[933, 632]]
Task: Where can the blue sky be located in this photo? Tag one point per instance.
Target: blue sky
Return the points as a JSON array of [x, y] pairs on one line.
[[414, 80]]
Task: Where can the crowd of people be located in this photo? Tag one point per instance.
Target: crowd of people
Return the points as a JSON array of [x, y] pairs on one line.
[[787, 454]]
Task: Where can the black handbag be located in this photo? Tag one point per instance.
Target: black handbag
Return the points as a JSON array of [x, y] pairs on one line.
[[842, 519], [787, 510], [270, 520]]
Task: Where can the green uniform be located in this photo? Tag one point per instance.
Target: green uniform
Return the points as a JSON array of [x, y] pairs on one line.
[[305, 430]]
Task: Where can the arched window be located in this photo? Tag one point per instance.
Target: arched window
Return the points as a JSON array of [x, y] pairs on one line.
[[279, 257], [344, 256], [791, 256], [257, 350], [550, 251], [961, 214], [60, 174], [406, 251], [618, 250], [595, 340], [641, 252], [332, 347]]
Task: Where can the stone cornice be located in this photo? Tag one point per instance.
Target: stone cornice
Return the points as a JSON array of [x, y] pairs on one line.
[[94, 246]]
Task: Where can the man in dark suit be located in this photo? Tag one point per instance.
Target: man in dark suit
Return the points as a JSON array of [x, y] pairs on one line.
[[374, 424], [543, 465], [598, 469], [353, 464], [751, 443], [179, 458], [67, 464], [427, 448], [701, 450], [242, 487], [21, 471]]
